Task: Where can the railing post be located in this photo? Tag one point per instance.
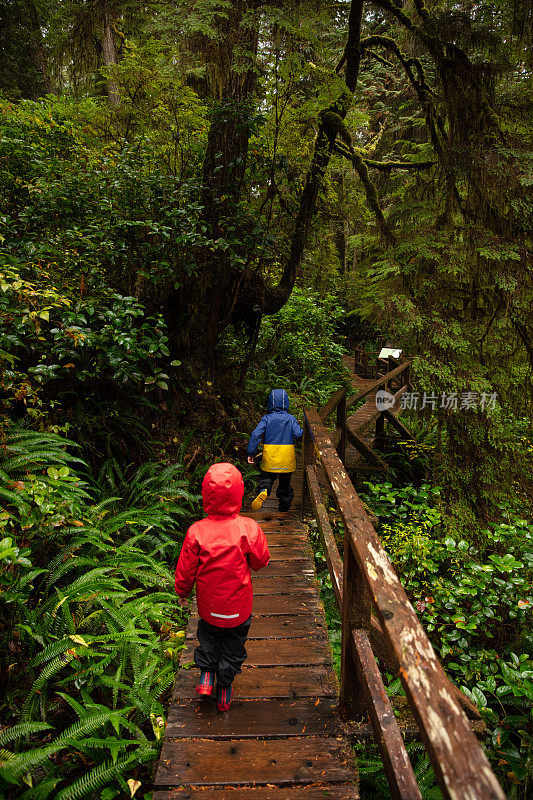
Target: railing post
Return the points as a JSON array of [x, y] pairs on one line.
[[341, 425], [308, 457], [380, 431], [355, 614]]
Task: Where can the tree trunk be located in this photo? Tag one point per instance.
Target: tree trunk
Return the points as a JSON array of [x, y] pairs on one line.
[[38, 49], [210, 300], [109, 53], [225, 291]]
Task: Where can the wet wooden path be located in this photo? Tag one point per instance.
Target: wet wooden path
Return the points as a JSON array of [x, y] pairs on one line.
[[281, 738], [363, 420]]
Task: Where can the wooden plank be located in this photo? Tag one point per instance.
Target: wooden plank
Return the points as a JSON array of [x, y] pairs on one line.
[[280, 604], [364, 418], [280, 627], [356, 612], [266, 515], [268, 682], [286, 584], [395, 422], [253, 719], [317, 792], [290, 552], [340, 424], [289, 568], [256, 761], [331, 551], [364, 449], [277, 652], [459, 762], [285, 538], [285, 604], [398, 769]]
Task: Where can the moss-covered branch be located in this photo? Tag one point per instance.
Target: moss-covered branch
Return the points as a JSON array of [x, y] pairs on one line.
[[397, 12], [387, 166], [383, 166]]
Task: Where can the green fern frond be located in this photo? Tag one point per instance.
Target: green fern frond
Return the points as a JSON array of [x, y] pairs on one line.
[[95, 779], [42, 791], [23, 729], [51, 669]]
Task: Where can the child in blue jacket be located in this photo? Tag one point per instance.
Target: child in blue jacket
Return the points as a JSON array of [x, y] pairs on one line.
[[279, 430]]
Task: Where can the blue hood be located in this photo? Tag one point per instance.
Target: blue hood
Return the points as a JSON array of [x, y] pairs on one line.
[[278, 400]]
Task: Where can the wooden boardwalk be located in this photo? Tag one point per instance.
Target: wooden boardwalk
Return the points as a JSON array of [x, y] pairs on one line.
[[362, 421], [281, 738]]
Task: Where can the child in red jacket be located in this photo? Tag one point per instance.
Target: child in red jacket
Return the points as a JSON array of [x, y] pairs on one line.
[[217, 553]]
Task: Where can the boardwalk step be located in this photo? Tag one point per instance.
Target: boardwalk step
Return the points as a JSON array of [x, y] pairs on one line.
[[253, 718], [282, 738], [266, 682], [301, 760], [318, 792], [304, 566], [282, 605], [279, 627], [284, 584], [289, 552], [279, 652]]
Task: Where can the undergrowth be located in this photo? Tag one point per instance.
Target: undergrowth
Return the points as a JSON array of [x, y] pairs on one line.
[[474, 599], [90, 632]]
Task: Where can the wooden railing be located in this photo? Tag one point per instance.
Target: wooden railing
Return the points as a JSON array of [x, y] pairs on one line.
[[392, 381], [365, 362], [379, 621]]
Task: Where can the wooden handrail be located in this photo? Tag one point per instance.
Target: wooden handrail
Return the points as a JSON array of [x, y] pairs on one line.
[[376, 384], [332, 403], [369, 580]]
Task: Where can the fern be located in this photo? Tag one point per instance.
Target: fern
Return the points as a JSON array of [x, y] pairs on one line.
[[42, 791], [23, 729], [51, 669], [106, 582], [96, 778]]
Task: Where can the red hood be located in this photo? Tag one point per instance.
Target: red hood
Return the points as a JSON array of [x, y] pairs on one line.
[[222, 490]]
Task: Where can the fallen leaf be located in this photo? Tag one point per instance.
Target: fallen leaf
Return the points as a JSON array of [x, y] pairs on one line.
[[134, 785]]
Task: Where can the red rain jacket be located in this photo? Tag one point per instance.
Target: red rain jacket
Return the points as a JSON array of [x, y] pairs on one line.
[[219, 551]]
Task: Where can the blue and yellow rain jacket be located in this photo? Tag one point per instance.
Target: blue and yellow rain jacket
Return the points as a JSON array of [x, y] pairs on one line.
[[279, 430]]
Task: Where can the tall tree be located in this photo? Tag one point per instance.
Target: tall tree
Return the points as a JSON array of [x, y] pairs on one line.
[[24, 67], [229, 285]]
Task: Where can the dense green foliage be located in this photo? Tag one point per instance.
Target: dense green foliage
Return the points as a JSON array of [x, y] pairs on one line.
[[475, 601], [90, 630], [200, 201]]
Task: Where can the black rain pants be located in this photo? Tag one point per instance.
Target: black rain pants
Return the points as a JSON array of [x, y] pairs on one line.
[[221, 650], [284, 492]]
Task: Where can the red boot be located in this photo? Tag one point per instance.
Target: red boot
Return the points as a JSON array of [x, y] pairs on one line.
[[206, 684], [224, 696]]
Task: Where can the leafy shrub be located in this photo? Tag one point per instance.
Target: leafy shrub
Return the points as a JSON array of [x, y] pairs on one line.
[[475, 602], [90, 366], [299, 349]]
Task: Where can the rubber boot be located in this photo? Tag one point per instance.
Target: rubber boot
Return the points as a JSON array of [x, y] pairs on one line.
[[258, 501], [207, 683], [224, 695]]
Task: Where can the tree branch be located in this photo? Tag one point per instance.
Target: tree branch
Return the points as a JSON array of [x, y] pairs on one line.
[[275, 297], [386, 166]]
